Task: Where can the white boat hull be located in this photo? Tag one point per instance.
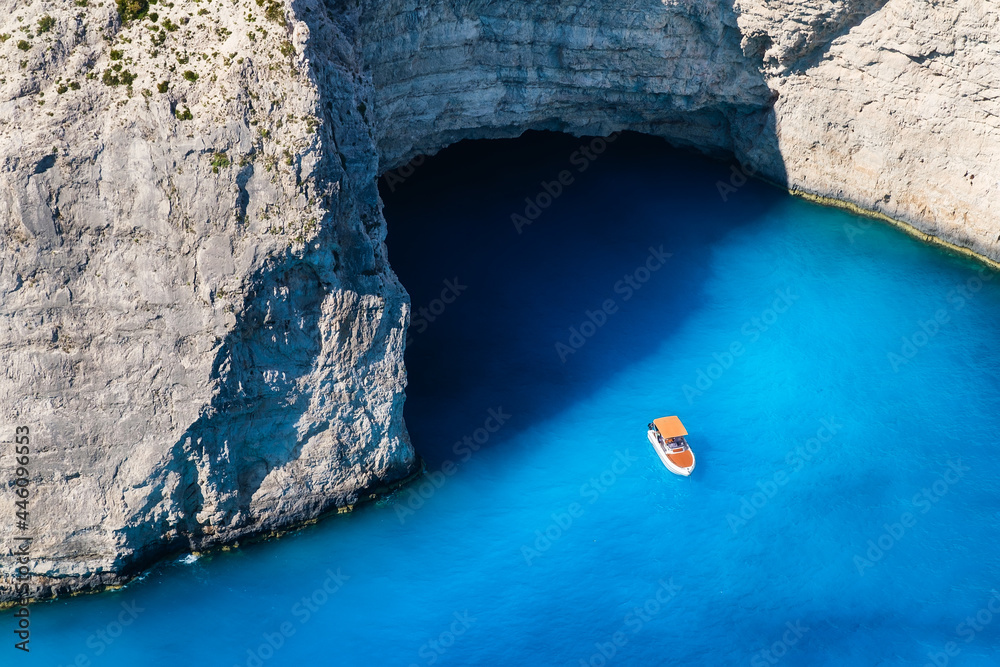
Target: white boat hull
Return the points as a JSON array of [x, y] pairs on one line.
[[684, 471]]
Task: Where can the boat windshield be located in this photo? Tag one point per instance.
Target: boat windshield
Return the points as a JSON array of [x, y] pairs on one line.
[[673, 445]]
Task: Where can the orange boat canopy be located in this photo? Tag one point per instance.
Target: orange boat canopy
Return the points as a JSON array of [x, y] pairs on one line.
[[670, 427]]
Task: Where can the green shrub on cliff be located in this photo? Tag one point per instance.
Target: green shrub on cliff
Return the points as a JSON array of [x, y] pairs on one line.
[[130, 10], [219, 161], [45, 24], [115, 78], [275, 12]]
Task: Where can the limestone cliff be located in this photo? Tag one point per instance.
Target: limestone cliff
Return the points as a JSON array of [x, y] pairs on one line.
[[201, 327], [451, 70], [899, 115]]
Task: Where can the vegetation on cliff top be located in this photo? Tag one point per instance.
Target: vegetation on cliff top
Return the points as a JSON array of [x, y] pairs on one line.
[[130, 10]]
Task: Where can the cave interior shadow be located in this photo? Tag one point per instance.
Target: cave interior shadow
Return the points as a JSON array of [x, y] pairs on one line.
[[450, 221]]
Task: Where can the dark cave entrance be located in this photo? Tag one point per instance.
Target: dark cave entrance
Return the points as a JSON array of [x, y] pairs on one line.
[[535, 265]]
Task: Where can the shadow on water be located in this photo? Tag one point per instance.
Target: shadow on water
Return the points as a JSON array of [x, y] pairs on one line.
[[518, 292]]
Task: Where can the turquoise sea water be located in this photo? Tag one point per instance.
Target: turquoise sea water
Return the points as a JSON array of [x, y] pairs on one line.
[[839, 381]]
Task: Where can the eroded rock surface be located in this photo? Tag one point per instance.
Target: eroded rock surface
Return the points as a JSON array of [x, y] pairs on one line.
[[902, 116], [199, 323]]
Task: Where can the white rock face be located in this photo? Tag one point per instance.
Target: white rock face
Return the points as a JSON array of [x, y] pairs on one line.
[[200, 326], [902, 116], [496, 69]]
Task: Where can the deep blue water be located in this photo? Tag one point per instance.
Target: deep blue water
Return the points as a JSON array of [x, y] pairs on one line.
[[844, 510]]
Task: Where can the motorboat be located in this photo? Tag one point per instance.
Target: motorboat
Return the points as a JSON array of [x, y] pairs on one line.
[[666, 434]]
